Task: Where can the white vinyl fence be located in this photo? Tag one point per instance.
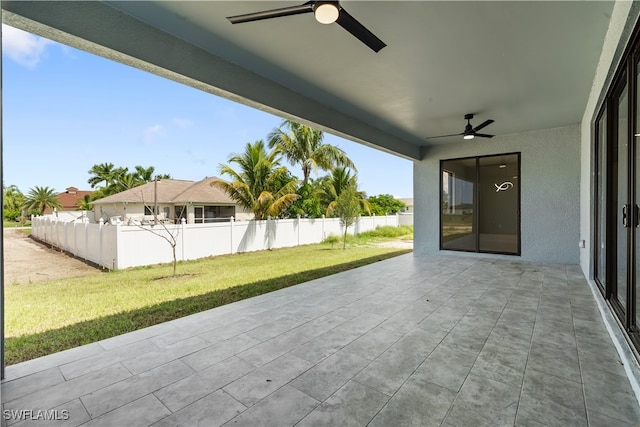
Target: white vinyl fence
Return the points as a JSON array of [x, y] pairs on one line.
[[120, 246]]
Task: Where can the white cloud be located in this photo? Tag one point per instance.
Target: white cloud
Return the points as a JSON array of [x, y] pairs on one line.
[[24, 48], [152, 133], [182, 123]]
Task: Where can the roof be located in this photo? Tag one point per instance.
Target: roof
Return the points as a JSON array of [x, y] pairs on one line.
[[69, 198], [174, 191], [202, 191]]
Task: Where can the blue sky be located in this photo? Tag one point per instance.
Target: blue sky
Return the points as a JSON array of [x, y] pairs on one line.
[[65, 110]]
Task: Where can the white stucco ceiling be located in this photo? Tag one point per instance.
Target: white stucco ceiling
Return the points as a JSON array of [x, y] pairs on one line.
[[526, 65]]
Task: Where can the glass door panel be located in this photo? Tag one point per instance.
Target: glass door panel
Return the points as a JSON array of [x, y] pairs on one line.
[[601, 210], [499, 201], [621, 193], [458, 230], [634, 312]]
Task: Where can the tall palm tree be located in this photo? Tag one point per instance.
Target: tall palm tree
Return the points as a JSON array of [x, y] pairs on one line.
[[261, 185], [102, 173], [126, 181], [144, 174], [303, 145], [40, 198], [334, 184]]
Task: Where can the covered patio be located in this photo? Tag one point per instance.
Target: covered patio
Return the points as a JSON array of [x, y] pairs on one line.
[[432, 338], [442, 339]]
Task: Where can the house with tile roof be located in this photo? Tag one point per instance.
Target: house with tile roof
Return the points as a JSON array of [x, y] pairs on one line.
[[69, 199], [196, 201]]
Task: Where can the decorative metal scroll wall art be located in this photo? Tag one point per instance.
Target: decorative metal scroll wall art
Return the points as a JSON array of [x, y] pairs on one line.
[[507, 185]]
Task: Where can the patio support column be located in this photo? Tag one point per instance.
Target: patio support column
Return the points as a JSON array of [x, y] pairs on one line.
[[1, 240]]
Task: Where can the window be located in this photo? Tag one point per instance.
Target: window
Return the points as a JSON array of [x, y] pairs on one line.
[[203, 214], [480, 204], [181, 212], [148, 210]]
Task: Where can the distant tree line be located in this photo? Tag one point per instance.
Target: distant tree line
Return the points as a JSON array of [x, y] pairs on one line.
[[105, 178], [257, 180]]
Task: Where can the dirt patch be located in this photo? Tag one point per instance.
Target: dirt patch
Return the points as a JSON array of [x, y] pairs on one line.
[[26, 261], [398, 243]]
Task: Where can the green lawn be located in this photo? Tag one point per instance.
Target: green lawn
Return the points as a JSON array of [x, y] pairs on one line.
[[46, 317], [14, 224]]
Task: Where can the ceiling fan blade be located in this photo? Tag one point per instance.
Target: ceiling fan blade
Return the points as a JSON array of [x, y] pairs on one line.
[[273, 13], [483, 135], [445, 136], [358, 30], [482, 125]]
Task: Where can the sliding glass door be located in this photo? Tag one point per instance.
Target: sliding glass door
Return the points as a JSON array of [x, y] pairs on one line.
[[617, 195], [480, 204]]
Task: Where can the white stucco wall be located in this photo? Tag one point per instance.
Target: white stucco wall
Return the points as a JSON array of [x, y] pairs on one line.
[[550, 191], [621, 25]]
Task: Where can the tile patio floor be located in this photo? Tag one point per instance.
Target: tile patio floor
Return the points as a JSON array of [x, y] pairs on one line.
[[415, 340]]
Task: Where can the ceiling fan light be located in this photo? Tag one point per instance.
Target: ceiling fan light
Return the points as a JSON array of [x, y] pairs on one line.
[[326, 13], [468, 136]]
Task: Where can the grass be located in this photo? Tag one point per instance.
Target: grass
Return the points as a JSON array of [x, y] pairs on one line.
[[380, 234], [14, 224], [47, 317]]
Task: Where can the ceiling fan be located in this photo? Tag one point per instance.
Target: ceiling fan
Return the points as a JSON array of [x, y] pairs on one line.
[[326, 12], [470, 132]]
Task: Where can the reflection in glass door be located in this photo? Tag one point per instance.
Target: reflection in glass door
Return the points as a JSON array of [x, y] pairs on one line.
[[458, 202], [621, 159], [616, 213], [600, 255], [499, 203], [480, 204]]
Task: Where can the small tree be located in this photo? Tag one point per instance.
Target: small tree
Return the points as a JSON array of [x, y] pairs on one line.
[[170, 237], [347, 209], [13, 201]]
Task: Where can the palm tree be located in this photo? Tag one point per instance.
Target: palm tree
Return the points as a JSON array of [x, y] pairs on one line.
[[102, 173], [111, 180], [303, 145], [126, 181], [86, 203], [260, 184], [144, 174], [333, 185], [40, 198]]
